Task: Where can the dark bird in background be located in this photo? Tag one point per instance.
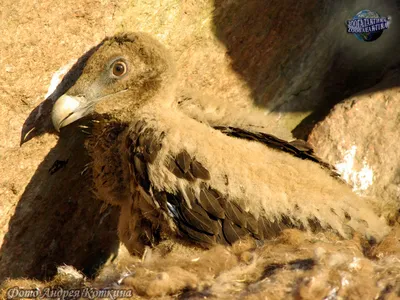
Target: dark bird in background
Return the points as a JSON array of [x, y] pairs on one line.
[[178, 176]]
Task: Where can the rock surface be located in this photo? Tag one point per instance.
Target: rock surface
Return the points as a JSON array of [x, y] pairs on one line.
[[360, 136], [38, 230]]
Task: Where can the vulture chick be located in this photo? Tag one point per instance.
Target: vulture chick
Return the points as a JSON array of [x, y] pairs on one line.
[[174, 176]]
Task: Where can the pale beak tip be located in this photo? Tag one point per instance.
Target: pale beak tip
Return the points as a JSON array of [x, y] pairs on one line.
[[63, 109]]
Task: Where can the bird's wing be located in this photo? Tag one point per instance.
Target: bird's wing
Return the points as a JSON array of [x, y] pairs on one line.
[[198, 211], [215, 188], [214, 112], [298, 148]]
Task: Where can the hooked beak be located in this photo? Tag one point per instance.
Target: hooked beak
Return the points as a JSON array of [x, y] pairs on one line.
[[39, 122], [68, 109]]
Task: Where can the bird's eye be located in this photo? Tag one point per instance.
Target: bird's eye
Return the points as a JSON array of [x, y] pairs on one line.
[[119, 68]]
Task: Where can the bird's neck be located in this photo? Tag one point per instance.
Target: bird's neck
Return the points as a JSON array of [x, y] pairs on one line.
[[161, 98], [103, 146]]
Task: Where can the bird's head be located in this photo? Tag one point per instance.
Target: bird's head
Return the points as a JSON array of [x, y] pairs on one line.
[[124, 73]]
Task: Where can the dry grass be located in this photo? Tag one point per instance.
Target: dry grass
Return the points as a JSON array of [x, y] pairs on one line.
[[295, 265]]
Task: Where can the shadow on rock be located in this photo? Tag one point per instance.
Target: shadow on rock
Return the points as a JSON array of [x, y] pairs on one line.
[[58, 220], [298, 57]]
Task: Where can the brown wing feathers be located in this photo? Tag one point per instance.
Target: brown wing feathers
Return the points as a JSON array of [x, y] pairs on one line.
[[298, 148], [210, 201], [183, 166], [207, 217]]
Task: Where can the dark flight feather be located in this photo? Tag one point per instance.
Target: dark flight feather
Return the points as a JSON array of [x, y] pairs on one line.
[[190, 193], [297, 148], [173, 167], [234, 213], [183, 161], [232, 232], [208, 217], [198, 218], [200, 237], [199, 171], [252, 224], [210, 201]]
